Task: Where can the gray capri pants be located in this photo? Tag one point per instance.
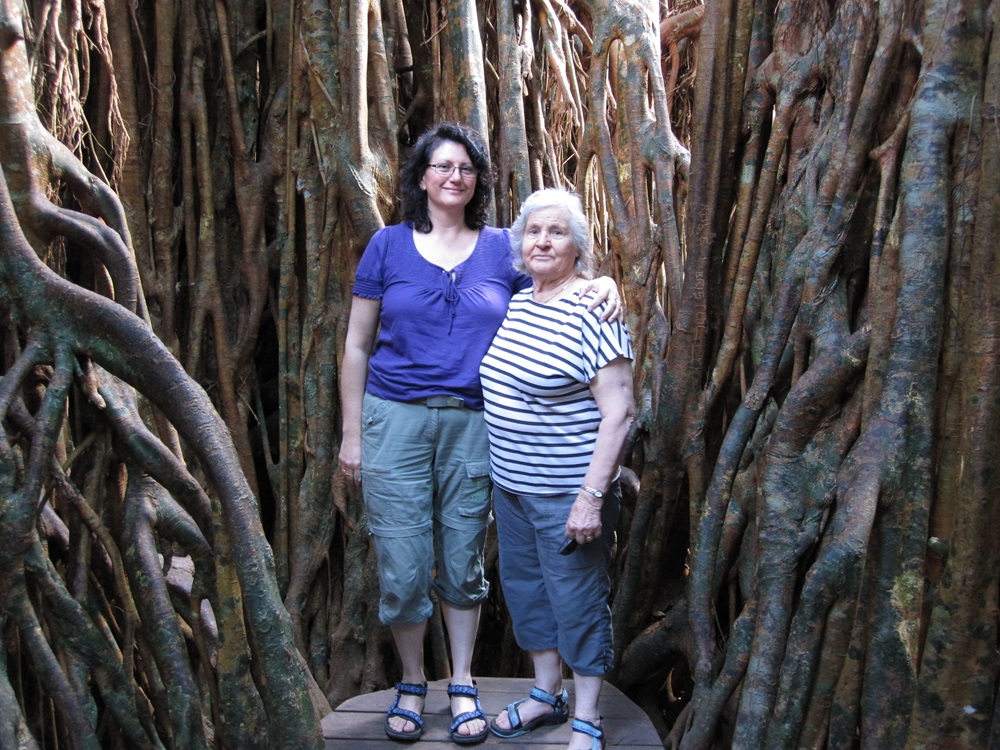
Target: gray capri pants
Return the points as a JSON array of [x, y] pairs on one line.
[[425, 481], [557, 601]]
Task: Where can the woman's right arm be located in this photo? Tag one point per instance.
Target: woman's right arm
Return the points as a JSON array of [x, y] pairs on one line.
[[361, 329]]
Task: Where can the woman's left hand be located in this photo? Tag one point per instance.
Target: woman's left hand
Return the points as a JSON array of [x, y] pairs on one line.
[[584, 522], [606, 290]]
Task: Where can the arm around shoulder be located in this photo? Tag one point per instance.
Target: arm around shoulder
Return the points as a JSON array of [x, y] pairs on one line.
[[606, 290]]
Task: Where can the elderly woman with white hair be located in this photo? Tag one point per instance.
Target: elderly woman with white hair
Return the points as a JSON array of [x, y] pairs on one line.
[[557, 384]]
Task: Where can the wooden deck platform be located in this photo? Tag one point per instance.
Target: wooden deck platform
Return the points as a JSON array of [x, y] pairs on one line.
[[356, 724]]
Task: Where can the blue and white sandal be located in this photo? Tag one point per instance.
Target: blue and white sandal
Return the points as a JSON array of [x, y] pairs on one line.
[[406, 688], [560, 712], [467, 739], [596, 733]]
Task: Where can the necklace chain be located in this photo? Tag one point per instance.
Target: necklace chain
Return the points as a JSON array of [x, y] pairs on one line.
[[555, 294]]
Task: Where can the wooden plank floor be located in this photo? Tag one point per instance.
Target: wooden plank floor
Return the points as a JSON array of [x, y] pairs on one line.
[[357, 724]]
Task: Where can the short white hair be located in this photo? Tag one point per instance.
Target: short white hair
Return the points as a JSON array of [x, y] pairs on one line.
[[579, 228]]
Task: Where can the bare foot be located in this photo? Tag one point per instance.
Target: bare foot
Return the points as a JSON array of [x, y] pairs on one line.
[[413, 703], [461, 704]]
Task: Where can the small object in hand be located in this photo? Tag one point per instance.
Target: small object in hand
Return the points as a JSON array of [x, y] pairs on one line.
[[568, 546]]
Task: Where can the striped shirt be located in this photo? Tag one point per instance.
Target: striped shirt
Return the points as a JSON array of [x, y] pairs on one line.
[[542, 417]]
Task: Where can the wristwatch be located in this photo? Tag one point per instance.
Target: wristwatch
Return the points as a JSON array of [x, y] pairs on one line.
[[591, 491]]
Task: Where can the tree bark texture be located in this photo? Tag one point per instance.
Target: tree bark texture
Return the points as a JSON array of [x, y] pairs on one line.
[[799, 202]]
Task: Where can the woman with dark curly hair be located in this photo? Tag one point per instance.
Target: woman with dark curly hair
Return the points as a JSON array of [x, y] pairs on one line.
[[429, 295]]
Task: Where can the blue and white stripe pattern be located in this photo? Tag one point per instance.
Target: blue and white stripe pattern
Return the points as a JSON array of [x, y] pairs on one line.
[[541, 415]]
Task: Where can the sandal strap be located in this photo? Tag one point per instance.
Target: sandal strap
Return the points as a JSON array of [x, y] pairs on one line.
[[412, 688], [592, 730], [513, 717], [469, 690], [556, 701]]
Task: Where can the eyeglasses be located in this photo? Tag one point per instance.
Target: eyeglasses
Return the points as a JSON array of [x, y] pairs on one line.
[[447, 170]]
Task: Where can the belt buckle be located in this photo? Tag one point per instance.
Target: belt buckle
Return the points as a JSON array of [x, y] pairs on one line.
[[444, 402]]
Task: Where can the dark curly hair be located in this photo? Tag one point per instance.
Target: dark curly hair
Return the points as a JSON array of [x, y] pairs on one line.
[[413, 199]]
